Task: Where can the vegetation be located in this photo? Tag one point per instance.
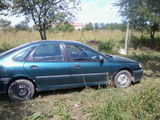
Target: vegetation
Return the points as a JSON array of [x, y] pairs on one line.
[[4, 5], [140, 101], [17, 38], [89, 26], [103, 26], [106, 46], [143, 15], [45, 12], [144, 41], [4, 24], [22, 26], [65, 27]]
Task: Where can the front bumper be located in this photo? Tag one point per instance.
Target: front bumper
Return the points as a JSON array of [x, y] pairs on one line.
[[137, 75], [3, 85]]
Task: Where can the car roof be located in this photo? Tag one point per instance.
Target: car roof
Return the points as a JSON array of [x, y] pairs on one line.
[[36, 42], [56, 41]]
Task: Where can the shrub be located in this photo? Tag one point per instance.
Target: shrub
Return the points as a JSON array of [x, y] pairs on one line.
[[137, 42], [106, 46], [5, 46]]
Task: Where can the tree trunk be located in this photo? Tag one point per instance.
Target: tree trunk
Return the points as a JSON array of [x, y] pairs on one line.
[[152, 33], [153, 29], [42, 32]]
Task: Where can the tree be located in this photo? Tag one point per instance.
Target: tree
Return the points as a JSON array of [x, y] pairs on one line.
[[46, 12], [96, 26], [66, 27], [142, 15], [4, 24], [23, 25], [89, 26], [4, 5]]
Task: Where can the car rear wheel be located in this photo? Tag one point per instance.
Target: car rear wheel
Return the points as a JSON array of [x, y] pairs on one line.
[[123, 79], [21, 90]]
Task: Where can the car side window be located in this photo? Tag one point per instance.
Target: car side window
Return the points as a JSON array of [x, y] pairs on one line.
[[48, 52], [22, 55], [78, 53]]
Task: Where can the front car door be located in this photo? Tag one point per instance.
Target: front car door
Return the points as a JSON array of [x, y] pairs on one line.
[[86, 66], [48, 67]]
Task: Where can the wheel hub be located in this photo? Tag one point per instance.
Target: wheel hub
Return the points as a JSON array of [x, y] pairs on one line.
[[22, 90], [123, 79]]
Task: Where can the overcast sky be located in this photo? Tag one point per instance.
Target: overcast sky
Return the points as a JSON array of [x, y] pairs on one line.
[[95, 11]]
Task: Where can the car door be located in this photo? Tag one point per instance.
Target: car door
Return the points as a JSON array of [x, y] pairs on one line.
[[86, 66], [48, 67]]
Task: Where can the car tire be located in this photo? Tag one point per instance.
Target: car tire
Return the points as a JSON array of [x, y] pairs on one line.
[[123, 79], [21, 90]]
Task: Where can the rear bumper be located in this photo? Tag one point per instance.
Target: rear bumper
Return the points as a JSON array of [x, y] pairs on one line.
[[137, 75], [3, 85]]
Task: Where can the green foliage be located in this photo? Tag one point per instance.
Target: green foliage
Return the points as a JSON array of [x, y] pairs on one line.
[[139, 106], [36, 116], [4, 5], [5, 46], [66, 27], [46, 12], [106, 46], [22, 26], [4, 24], [103, 26], [138, 42], [115, 26], [88, 27], [142, 15]]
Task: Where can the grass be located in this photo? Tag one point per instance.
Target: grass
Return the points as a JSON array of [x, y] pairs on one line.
[[139, 101], [17, 38]]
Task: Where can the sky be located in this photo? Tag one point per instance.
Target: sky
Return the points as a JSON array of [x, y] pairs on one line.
[[98, 11], [95, 11]]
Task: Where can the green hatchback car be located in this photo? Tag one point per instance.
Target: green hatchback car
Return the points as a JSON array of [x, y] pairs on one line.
[[51, 65]]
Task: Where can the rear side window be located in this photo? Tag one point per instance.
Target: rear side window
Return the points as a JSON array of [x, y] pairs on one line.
[[22, 55], [48, 52]]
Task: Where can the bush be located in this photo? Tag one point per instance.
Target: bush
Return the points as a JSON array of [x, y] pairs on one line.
[[5, 46], [106, 46], [138, 42]]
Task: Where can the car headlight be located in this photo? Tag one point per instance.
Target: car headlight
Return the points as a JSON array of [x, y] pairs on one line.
[[140, 65]]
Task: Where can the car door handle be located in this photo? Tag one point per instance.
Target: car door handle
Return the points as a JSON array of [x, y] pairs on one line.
[[33, 66], [76, 66]]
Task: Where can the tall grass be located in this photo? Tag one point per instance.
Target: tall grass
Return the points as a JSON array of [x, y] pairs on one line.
[[116, 37], [143, 105], [17, 38]]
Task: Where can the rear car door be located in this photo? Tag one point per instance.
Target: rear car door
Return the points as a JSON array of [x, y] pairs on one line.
[[48, 67]]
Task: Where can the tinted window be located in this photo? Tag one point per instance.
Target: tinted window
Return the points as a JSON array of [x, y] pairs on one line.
[[49, 52], [22, 55], [80, 53]]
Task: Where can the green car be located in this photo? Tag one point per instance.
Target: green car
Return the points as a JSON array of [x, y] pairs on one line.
[[51, 65]]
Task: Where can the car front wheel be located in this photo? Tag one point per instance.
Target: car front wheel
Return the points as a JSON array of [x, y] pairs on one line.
[[21, 90], [123, 79]]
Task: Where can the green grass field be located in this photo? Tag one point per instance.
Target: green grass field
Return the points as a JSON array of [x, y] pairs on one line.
[[138, 102]]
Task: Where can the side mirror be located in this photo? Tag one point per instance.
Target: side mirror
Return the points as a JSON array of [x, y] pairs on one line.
[[101, 59]]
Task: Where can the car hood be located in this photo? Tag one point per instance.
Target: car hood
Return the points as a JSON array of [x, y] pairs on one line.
[[122, 59]]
